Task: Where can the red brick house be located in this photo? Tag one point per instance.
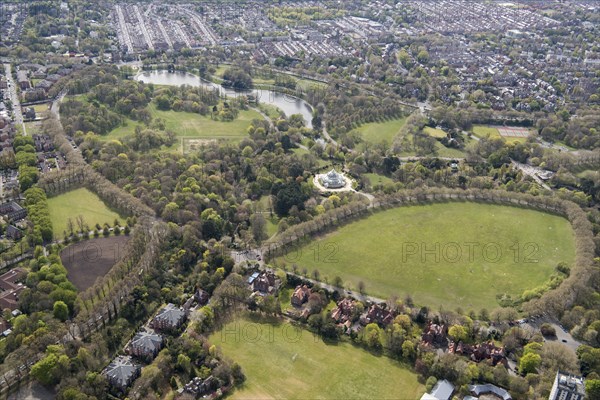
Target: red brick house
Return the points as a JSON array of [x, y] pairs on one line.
[[344, 311], [378, 314], [435, 335], [300, 295]]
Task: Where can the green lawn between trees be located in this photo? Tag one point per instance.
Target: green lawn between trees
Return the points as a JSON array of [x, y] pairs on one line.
[[285, 362], [377, 132], [394, 253], [79, 202], [189, 125]]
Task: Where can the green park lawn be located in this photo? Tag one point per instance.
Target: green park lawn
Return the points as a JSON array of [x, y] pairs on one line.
[[264, 205], [377, 132], [40, 108], [191, 126], [285, 362], [473, 256], [434, 132], [378, 179], [482, 131], [79, 202]]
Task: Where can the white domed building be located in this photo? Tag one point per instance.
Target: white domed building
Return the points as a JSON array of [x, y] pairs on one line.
[[332, 180]]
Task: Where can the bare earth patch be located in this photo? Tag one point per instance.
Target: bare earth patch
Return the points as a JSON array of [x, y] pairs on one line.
[[86, 261]]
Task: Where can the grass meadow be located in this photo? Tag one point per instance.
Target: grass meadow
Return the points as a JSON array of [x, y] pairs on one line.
[[448, 254], [79, 202], [285, 362]]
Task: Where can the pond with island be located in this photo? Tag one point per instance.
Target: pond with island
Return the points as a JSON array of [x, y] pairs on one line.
[[285, 102]]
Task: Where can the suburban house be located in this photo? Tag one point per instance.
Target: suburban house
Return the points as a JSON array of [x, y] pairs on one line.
[[200, 387], [9, 298], [344, 311], [9, 279], [43, 143], [435, 335], [443, 390], [479, 352], [29, 113], [13, 211], [202, 297], [567, 387], [145, 345], [14, 233], [265, 283], [300, 295], [23, 80], [488, 388], [169, 318], [121, 372], [378, 314]]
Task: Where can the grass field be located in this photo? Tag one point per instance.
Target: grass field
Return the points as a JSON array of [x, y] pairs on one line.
[[41, 108], [377, 132], [435, 132], [378, 179], [440, 150], [33, 127], [482, 131], [264, 205], [450, 254], [284, 362], [192, 126], [79, 202]]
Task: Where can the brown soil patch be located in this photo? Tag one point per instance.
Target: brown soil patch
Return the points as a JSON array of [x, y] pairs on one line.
[[86, 261]]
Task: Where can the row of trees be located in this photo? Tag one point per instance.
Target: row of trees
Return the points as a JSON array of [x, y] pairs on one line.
[[25, 160], [39, 215]]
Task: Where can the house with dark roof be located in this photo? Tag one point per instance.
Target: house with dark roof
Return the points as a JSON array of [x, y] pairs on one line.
[[378, 314], [480, 352], [202, 297], [200, 387], [145, 345], [23, 79], [14, 233], [13, 211], [435, 335], [168, 318], [121, 373]]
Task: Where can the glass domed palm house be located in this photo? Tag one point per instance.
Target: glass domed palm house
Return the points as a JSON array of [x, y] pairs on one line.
[[332, 180]]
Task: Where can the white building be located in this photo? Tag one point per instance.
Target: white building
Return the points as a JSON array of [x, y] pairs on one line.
[[567, 387], [333, 180]]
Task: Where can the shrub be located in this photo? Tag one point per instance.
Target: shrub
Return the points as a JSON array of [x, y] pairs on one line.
[[548, 330]]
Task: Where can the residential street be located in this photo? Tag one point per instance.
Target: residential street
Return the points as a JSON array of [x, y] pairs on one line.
[[14, 98]]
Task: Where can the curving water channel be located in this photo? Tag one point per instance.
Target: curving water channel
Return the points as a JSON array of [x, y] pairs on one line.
[[287, 103]]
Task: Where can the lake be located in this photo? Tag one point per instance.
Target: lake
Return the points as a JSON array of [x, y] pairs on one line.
[[287, 103]]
